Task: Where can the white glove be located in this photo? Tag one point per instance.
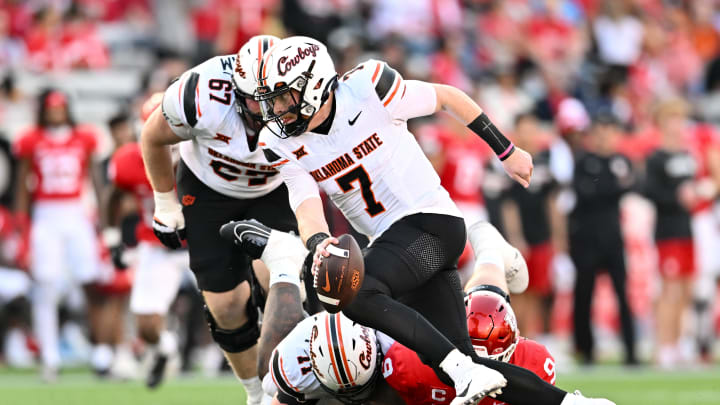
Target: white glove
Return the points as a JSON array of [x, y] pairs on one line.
[[168, 219]]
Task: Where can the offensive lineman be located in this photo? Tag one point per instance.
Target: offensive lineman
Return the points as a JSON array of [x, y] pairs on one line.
[[222, 175]]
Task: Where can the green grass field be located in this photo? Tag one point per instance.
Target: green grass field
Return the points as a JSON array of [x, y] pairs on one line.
[[633, 387]]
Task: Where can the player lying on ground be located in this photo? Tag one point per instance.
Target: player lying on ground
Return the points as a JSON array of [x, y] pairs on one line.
[[301, 372]]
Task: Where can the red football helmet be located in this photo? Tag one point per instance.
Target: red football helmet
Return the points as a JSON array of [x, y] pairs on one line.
[[492, 324]]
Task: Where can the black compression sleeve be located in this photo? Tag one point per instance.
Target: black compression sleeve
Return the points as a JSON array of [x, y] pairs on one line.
[[523, 386], [315, 240], [486, 130]]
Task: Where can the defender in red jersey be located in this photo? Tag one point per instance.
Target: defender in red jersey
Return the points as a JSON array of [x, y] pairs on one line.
[[493, 331], [54, 161]]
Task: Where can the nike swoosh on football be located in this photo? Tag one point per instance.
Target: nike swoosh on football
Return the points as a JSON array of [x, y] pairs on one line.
[[326, 287], [352, 121]]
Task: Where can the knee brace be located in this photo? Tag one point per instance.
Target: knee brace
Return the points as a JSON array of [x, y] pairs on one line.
[[239, 339]]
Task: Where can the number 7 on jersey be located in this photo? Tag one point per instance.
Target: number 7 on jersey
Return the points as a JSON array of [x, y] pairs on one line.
[[372, 206]]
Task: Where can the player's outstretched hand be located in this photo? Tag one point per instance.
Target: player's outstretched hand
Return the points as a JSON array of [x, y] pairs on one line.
[[519, 166], [321, 251], [168, 220]]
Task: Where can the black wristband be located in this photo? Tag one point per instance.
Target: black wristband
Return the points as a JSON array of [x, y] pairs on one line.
[[489, 133], [315, 240], [489, 287]]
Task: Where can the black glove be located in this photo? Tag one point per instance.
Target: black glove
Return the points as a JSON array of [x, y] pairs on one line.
[[170, 237]]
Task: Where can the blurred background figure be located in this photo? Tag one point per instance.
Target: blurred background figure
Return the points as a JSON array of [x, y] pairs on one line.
[[601, 177], [669, 172], [528, 216], [158, 270], [56, 161]]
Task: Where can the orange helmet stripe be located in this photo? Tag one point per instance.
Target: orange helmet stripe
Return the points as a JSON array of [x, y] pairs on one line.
[[330, 349]]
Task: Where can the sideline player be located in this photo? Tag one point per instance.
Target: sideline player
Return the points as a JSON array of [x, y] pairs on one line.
[[350, 137], [159, 271], [222, 175], [55, 161]]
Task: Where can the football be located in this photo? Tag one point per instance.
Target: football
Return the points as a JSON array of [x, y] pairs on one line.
[[340, 276]]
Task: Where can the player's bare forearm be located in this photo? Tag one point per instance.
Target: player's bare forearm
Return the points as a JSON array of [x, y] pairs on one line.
[[311, 218], [155, 141], [22, 193], [516, 162], [283, 310], [457, 103]]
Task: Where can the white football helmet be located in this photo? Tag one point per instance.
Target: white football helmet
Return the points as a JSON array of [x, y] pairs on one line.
[[295, 79], [247, 63], [345, 357]]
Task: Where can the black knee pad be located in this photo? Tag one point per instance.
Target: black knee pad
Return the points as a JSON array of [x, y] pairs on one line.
[[239, 339]]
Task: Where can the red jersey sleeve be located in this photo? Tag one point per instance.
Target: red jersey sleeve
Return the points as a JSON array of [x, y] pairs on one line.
[[89, 136], [126, 169], [415, 382], [24, 145]]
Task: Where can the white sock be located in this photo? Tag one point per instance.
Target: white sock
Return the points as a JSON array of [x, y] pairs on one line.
[[569, 399], [167, 344], [102, 357], [490, 257], [455, 364], [284, 256], [253, 387], [45, 323]]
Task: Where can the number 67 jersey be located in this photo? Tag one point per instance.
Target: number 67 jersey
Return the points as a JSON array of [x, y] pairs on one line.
[[368, 163], [200, 106]]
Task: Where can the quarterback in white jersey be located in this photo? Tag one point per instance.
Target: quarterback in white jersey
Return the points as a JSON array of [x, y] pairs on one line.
[[349, 135], [222, 176]]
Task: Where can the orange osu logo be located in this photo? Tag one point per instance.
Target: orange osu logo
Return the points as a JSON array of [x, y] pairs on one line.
[[355, 282], [188, 200]]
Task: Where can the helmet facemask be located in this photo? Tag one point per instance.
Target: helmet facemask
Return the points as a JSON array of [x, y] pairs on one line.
[[286, 100], [252, 120], [292, 104]]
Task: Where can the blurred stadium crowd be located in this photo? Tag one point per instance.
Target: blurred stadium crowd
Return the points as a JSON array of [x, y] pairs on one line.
[[617, 100]]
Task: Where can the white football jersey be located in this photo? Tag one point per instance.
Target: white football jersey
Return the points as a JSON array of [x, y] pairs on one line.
[[369, 164], [290, 366], [200, 107]]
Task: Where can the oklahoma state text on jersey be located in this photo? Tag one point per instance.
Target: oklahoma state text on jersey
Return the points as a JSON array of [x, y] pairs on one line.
[[417, 384], [369, 164], [200, 106]]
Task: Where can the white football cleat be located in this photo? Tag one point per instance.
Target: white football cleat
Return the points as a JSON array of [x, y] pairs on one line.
[[577, 398], [483, 236], [479, 381]]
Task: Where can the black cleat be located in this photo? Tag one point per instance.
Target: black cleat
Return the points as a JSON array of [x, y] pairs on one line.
[[157, 373], [250, 235]]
